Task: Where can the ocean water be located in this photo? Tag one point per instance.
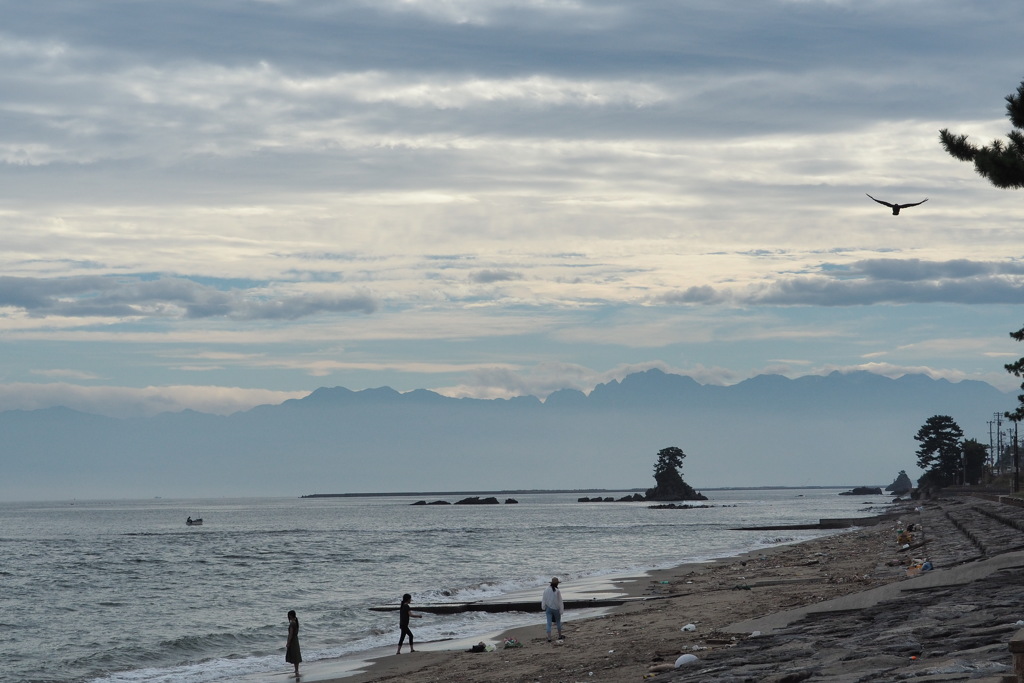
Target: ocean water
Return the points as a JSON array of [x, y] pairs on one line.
[[123, 591]]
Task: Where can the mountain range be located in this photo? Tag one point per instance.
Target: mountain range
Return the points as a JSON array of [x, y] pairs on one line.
[[839, 429]]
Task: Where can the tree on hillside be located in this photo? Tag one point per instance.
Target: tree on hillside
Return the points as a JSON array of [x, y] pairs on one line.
[[669, 484], [975, 454], [1002, 163], [940, 452]]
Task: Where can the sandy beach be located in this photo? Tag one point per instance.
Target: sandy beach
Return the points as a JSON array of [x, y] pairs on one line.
[[848, 607]]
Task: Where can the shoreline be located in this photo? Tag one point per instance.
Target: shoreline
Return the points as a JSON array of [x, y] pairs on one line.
[[640, 590], [382, 661], [847, 607]]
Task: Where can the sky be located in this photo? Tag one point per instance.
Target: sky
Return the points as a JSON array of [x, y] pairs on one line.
[[218, 204]]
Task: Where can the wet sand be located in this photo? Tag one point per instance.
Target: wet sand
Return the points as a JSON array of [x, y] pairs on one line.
[[839, 608]]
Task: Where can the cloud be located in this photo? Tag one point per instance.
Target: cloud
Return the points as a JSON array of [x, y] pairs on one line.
[[895, 371], [491, 276], [910, 270], [545, 378], [539, 380], [121, 297], [503, 11], [66, 373], [124, 402], [828, 292], [876, 281], [294, 307], [703, 294], [542, 379], [894, 281]]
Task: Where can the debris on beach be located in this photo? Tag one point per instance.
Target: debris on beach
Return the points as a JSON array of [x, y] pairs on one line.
[[685, 660]]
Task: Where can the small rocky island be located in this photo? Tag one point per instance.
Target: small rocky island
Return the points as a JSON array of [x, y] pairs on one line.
[[901, 485], [668, 485], [668, 481], [472, 500]]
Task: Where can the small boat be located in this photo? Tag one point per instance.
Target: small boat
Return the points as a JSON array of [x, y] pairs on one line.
[[194, 522]]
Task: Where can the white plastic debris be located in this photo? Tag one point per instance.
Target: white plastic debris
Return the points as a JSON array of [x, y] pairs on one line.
[[689, 627], [685, 660]]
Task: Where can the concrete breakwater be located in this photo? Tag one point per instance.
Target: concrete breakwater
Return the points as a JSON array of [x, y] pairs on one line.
[[836, 523]]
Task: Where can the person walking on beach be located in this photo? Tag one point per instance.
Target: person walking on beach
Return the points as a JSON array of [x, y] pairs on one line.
[[551, 603], [292, 653], [404, 612]]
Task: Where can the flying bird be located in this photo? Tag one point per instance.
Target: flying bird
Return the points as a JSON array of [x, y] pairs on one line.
[[896, 207]]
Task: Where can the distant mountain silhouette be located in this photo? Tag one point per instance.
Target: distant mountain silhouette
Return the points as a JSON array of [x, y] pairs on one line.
[[838, 429]]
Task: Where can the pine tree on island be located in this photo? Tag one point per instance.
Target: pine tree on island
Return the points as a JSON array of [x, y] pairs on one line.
[[669, 484]]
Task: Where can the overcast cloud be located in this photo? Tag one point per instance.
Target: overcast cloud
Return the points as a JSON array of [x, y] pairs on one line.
[[211, 205]]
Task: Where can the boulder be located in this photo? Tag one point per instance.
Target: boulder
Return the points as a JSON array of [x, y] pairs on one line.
[[864, 491], [477, 500], [676, 506]]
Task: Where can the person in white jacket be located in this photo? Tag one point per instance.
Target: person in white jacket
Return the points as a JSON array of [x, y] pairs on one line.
[[551, 603]]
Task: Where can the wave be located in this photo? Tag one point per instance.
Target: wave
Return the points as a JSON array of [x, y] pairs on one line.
[[159, 662]]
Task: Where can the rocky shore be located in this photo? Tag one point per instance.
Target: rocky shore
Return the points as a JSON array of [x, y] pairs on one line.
[[949, 624], [856, 606]]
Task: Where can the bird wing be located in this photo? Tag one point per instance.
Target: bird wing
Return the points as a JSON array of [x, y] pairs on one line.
[[903, 206], [881, 202]]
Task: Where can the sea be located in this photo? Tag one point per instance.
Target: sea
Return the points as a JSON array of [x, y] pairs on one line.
[[123, 591]]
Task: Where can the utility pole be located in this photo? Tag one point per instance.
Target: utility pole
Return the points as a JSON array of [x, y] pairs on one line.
[[996, 447], [990, 459], [999, 439], [1016, 459]]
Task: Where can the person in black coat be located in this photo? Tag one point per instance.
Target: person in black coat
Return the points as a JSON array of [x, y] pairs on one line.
[[404, 612]]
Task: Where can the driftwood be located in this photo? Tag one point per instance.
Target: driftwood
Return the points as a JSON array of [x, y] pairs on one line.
[[519, 606]]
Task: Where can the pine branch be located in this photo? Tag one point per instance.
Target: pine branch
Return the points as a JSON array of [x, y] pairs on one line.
[[957, 145]]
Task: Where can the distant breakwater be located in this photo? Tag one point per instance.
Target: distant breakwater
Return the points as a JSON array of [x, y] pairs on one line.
[[520, 492], [432, 494]]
